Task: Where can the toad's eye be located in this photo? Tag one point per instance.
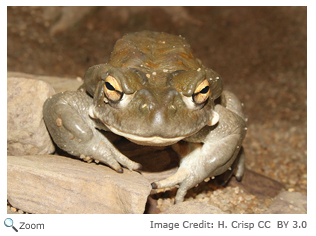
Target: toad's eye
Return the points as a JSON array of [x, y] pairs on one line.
[[202, 92], [112, 89]]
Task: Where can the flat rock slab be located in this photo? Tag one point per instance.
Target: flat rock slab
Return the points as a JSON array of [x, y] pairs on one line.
[[258, 185], [193, 207], [289, 203], [56, 184]]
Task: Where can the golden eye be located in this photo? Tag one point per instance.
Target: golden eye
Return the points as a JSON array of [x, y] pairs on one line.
[[112, 89], [202, 92]]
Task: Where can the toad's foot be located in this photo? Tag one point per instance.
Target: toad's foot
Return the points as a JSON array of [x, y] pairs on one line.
[[190, 174], [67, 119]]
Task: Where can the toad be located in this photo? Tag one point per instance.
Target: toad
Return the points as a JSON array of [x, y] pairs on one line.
[[153, 91]]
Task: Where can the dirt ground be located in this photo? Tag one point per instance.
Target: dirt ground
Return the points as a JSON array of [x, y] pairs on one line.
[[260, 52]]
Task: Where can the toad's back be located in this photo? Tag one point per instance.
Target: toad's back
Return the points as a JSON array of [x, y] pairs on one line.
[[153, 52]]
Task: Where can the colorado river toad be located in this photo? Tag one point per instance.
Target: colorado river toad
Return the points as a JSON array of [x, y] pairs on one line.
[[153, 91]]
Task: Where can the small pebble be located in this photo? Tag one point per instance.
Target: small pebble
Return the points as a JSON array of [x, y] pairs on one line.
[[13, 209]]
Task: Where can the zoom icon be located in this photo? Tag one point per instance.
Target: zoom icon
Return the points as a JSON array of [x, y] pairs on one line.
[[9, 223]]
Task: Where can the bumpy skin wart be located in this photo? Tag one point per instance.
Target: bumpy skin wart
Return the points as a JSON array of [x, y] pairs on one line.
[[153, 91]]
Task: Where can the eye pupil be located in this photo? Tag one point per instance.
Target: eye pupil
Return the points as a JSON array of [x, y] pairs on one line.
[[109, 86], [205, 89], [202, 92]]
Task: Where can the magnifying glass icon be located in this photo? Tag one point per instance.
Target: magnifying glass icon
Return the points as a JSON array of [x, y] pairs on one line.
[[9, 223]]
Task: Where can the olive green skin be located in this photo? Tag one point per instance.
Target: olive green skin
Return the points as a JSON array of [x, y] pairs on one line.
[[158, 75]]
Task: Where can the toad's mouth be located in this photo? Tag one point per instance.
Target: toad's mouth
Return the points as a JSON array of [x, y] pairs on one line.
[[154, 136], [154, 140], [148, 141]]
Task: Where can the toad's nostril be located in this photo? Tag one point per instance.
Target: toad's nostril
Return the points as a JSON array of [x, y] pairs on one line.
[[146, 107]]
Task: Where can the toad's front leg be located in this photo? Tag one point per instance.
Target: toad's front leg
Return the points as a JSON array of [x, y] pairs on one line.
[[212, 157], [67, 119]]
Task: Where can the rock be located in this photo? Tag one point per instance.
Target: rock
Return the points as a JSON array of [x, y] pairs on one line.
[[257, 184], [289, 203], [56, 184], [59, 84], [193, 207], [27, 133], [69, 16]]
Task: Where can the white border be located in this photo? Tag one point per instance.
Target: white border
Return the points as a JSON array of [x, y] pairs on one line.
[[140, 224]]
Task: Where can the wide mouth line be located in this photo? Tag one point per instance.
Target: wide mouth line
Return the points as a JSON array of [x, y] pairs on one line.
[[151, 139]]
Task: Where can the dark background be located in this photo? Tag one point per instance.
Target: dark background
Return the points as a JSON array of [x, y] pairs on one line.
[[260, 52]]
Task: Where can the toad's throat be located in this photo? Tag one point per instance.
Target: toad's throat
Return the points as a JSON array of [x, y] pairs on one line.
[[148, 141]]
